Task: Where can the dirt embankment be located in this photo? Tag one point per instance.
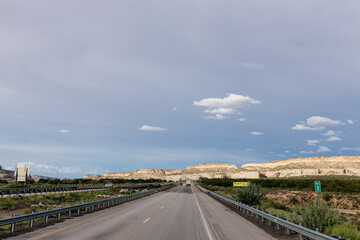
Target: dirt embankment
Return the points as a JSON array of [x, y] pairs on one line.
[[337, 200]]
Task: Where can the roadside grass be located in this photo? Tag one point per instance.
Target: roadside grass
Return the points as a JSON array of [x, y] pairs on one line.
[[55, 200], [345, 230], [327, 219]]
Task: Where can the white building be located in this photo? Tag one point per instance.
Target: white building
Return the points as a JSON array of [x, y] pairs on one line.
[[22, 172]]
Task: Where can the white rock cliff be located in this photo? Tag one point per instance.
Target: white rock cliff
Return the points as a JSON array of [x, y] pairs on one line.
[[338, 165]]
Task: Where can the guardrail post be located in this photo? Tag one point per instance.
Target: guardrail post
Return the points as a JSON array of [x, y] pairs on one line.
[[299, 235], [31, 223], [92, 208], [69, 214], [86, 209], [269, 222], [12, 228], [58, 216], [277, 226], [46, 219], [287, 230], [78, 211]]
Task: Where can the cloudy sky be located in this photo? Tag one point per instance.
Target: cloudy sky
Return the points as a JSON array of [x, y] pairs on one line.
[[95, 86]]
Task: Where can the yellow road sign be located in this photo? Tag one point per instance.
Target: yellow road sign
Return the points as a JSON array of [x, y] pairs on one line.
[[240, 184]]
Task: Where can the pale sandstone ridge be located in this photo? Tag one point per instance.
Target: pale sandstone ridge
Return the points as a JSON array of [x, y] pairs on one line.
[[338, 165], [206, 166]]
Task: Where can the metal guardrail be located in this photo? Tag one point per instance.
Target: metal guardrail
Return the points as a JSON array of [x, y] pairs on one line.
[[95, 205], [275, 220], [23, 191]]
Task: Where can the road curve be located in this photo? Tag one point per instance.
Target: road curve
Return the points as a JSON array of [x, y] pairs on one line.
[[181, 213]]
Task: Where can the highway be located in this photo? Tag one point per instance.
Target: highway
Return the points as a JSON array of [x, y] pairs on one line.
[[180, 213]]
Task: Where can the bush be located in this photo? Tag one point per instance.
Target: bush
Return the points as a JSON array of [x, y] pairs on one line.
[[251, 195], [346, 230], [327, 197], [7, 203], [314, 216]]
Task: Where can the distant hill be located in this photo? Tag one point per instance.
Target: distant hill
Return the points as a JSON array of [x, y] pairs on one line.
[[313, 166], [6, 174]]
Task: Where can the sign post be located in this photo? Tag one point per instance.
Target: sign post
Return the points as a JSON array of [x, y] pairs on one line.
[[318, 189]]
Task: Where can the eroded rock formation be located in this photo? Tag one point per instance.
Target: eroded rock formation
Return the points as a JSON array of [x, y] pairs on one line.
[[338, 165]]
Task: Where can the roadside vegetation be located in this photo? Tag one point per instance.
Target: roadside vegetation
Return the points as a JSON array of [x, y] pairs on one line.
[[336, 184], [272, 195], [37, 203], [77, 181]]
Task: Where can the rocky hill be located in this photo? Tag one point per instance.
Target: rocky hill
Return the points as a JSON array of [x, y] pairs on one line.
[[6, 174], [338, 165]]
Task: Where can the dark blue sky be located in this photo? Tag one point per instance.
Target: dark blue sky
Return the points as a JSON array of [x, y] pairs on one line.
[[93, 86]]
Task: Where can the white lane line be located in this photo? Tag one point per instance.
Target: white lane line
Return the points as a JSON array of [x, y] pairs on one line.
[[146, 220], [162, 207], [203, 218]]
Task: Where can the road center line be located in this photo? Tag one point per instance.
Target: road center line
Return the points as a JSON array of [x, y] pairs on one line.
[[203, 218], [146, 220]]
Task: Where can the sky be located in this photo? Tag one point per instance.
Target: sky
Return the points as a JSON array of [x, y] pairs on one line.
[[88, 87]]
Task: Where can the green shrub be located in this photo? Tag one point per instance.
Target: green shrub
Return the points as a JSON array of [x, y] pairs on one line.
[[327, 197], [251, 195], [314, 216], [7, 203], [30, 210], [346, 230]]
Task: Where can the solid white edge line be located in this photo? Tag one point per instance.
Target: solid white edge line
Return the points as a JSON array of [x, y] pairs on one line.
[[203, 218], [146, 220]]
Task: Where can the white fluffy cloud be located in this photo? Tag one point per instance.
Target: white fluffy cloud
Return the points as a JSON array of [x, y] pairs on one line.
[[241, 119], [64, 131], [303, 127], [329, 133], [46, 168], [351, 122], [222, 111], [312, 142], [219, 108], [256, 133], [217, 117], [306, 152], [151, 128], [323, 149], [350, 149], [333, 139], [317, 123]]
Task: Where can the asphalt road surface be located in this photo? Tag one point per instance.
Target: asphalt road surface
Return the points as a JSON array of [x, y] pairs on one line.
[[181, 213]]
